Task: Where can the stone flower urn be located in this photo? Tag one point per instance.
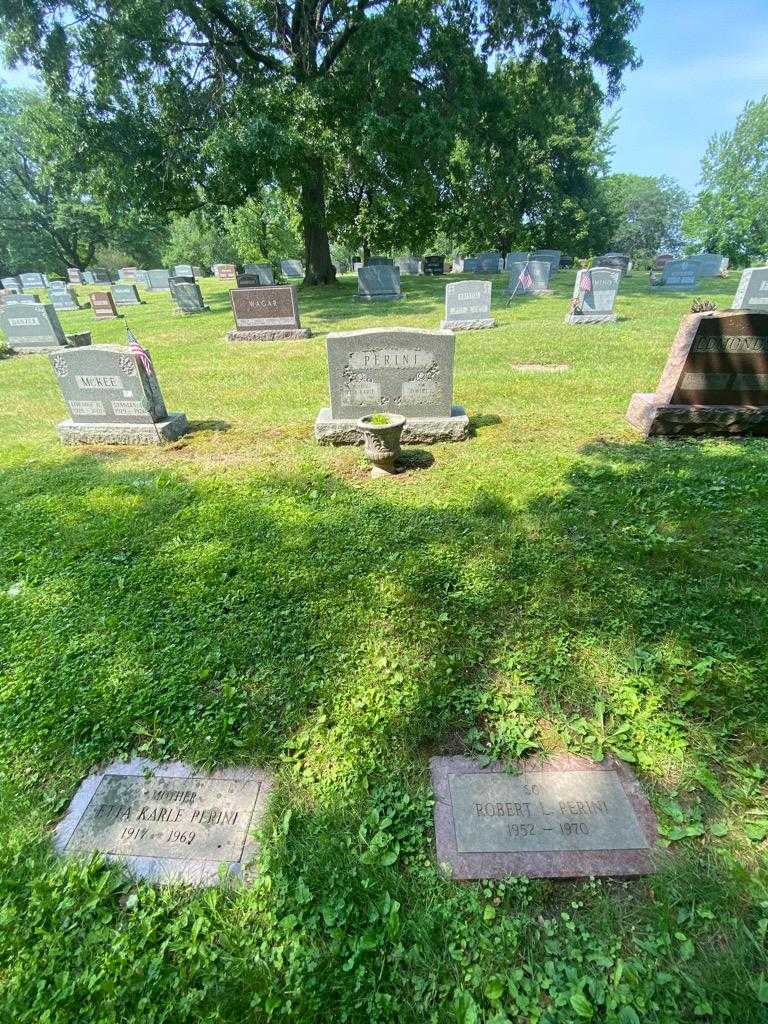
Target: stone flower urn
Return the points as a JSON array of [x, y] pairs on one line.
[[381, 434]]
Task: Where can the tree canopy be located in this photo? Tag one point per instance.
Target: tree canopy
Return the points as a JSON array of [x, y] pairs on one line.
[[644, 213]]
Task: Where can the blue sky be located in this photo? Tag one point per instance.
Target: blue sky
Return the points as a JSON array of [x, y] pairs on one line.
[[702, 61]]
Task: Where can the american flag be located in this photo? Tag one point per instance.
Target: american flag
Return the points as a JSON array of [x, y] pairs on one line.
[[141, 354], [585, 282], [525, 280]]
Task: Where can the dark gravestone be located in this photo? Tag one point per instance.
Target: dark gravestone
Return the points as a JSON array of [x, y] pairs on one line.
[[400, 370], [752, 292], [113, 398], [715, 381], [103, 306], [32, 280], [35, 327], [168, 823], [488, 262], [528, 278], [566, 262], [617, 261], [248, 280], [468, 306], [291, 268], [434, 265], [66, 300], [158, 280], [268, 313], [594, 294], [74, 275], [380, 261], [677, 276], [375, 284], [514, 257], [102, 276], [125, 295], [563, 817], [187, 297]]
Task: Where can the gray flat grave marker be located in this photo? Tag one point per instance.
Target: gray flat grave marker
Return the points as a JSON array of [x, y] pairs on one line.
[[168, 823], [677, 276], [752, 292], [377, 284], [399, 370], [113, 397], [21, 299], [35, 327], [56, 286], [248, 280], [528, 278], [268, 313], [158, 280], [103, 306], [594, 294], [125, 295], [65, 299], [468, 306], [188, 298], [33, 280], [291, 268], [11, 283], [564, 817], [715, 382], [184, 270]]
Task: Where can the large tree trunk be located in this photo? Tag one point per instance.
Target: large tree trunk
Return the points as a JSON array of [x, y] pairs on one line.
[[317, 252]]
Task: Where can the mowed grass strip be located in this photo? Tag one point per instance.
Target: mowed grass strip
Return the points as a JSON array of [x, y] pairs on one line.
[[246, 596]]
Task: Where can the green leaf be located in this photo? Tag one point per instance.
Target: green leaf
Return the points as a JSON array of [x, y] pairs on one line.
[[581, 1005], [489, 912], [719, 828], [756, 830], [494, 990], [465, 1008], [762, 989]]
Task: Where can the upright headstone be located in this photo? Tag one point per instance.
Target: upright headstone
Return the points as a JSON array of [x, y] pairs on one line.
[[676, 276], [56, 286], [489, 262], [397, 370], [32, 280], [291, 268], [752, 292], [710, 264], [433, 265], [380, 261], [142, 278], [113, 398], [514, 257], [268, 313], [11, 284], [102, 276], [198, 271], [248, 280], [74, 275], [127, 273], [408, 264], [125, 295], [35, 327], [530, 277], [594, 294], [187, 297], [21, 299], [715, 381], [468, 306], [616, 260], [378, 283], [64, 300], [560, 817], [550, 256], [224, 271], [103, 306], [264, 270], [184, 270], [158, 280], [88, 277]]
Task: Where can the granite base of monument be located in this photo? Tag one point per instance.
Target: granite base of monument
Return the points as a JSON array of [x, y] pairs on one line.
[[511, 294], [168, 823], [655, 419], [389, 297], [417, 430], [467, 325], [73, 341], [591, 318], [558, 817], [190, 312], [293, 334], [162, 432]]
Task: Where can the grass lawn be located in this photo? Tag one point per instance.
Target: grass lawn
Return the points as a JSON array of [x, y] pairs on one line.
[[246, 596]]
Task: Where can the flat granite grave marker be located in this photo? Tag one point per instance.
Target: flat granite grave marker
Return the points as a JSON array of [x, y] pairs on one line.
[[468, 306], [715, 382], [528, 278], [12, 284], [158, 280], [168, 822], [291, 268], [56, 286], [594, 294], [184, 270], [562, 817], [125, 295], [268, 313], [33, 280], [65, 299], [378, 284], [188, 298], [246, 280], [21, 299], [113, 397], [400, 370], [103, 306], [676, 276], [433, 265], [752, 292], [35, 327]]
